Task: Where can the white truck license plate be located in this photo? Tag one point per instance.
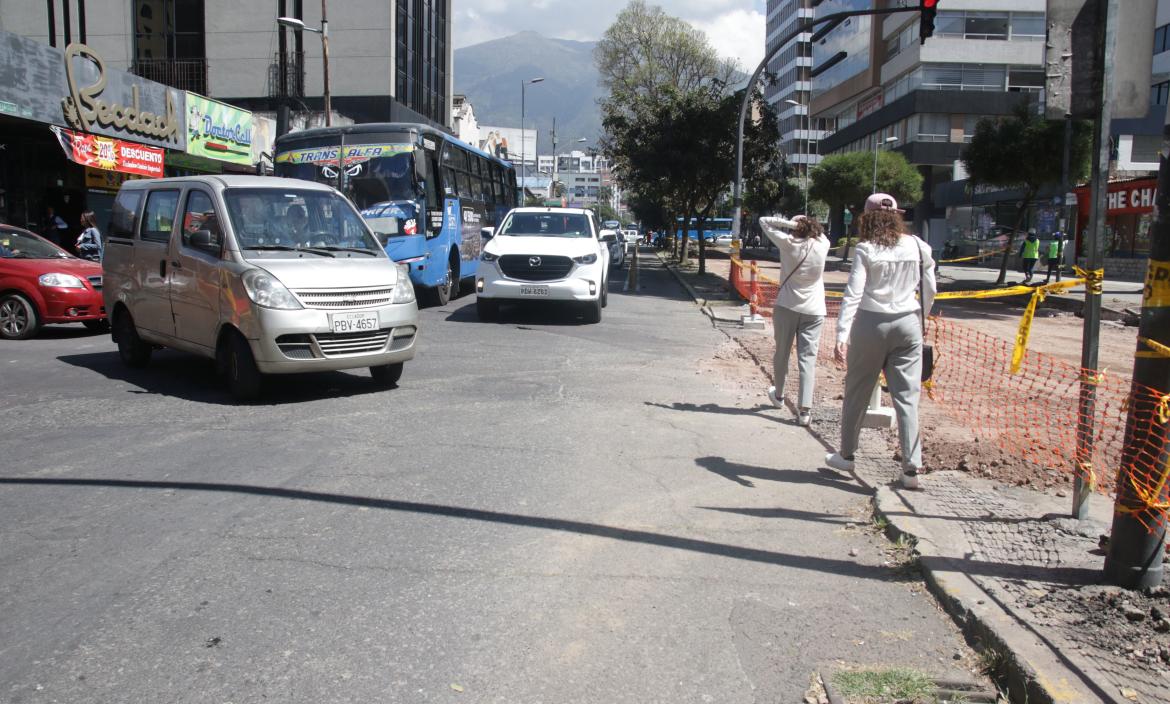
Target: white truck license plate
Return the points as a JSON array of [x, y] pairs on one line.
[[354, 322], [534, 290]]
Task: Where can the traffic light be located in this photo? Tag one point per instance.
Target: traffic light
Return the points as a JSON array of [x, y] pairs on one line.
[[927, 10]]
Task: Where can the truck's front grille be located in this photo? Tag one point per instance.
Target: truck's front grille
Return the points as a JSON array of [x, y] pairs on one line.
[[527, 267]]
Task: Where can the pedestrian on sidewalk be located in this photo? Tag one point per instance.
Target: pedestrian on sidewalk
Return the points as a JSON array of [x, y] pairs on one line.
[[1029, 254], [880, 329], [1055, 256], [89, 243], [799, 312], [55, 228]]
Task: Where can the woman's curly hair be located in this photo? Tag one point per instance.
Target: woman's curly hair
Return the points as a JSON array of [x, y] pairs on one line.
[[882, 227], [807, 228]]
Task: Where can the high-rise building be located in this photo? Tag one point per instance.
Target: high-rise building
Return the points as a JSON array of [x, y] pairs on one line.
[[388, 59], [788, 93], [874, 86]]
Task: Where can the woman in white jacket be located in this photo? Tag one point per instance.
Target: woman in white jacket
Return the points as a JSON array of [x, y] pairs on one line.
[[800, 303], [880, 329]]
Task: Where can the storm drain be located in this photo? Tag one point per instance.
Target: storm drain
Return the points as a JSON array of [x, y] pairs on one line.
[[840, 688]]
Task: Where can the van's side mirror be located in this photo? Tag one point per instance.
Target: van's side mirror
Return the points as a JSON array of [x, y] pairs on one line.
[[487, 233], [204, 240]]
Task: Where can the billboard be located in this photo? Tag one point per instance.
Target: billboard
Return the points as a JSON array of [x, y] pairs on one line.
[[217, 130], [504, 143], [852, 37]]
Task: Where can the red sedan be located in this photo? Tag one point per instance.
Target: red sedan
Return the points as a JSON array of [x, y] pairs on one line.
[[41, 283]]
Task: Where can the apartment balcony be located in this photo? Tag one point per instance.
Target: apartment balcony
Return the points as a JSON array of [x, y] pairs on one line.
[[184, 74], [293, 67]]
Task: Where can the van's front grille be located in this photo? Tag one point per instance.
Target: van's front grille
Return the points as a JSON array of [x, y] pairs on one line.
[[535, 267], [335, 298], [341, 344]]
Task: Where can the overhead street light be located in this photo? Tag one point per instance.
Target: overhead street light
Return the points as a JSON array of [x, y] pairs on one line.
[[299, 25], [523, 86]]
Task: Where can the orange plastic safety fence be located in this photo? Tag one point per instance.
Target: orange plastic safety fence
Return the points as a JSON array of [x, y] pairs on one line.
[[1034, 415]]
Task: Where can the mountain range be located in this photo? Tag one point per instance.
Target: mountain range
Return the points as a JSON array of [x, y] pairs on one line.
[[490, 75]]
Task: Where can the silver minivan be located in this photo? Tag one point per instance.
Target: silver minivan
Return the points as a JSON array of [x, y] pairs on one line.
[[263, 275]]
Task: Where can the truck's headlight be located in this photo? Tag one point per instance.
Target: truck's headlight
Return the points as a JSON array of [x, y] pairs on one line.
[[403, 289], [488, 257], [585, 259], [266, 290], [60, 281]]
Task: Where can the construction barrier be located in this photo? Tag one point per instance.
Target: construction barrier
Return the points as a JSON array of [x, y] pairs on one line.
[[1027, 402]]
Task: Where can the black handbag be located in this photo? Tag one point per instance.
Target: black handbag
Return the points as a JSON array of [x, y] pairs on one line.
[[927, 350]]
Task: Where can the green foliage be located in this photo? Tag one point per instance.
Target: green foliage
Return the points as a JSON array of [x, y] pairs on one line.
[[894, 684], [846, 180], [1026, 151]]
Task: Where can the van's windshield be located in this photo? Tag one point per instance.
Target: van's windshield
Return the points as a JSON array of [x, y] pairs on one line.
[[268, 221]]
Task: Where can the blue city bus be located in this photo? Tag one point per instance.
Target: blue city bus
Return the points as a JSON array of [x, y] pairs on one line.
[[425, 194], [714, 229]]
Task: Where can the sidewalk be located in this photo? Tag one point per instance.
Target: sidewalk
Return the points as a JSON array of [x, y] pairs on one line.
[[1005, 562]]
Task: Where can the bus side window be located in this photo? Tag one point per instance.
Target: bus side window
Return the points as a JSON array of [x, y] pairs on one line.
[[432, 181]]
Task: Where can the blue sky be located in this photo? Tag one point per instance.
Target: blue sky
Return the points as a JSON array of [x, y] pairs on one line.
[[734, 27]]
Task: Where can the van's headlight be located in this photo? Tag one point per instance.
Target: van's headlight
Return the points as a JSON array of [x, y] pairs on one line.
[[488, 257], [403, 289], [266, 290], [585, 259], [60, 281]]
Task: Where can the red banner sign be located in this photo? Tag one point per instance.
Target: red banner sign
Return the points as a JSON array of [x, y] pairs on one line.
[[1124, 197], [114, 154]]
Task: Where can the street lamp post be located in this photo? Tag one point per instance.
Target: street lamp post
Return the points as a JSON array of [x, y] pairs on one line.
[[294, 23], [807, 142], [876, 145], [523, 164]]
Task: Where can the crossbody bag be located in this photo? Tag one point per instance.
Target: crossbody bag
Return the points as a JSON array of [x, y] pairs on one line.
[[927, 350]]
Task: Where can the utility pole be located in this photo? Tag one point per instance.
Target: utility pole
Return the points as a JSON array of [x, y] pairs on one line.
[[1136, 547]]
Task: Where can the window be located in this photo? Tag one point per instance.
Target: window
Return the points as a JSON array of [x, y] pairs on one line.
[[159, 217], [1159, 93], [934, 127], [125, 214], [1161, 39], [986, 25], [1146, 148], [976, 77], [1028, 25], [200, 215], [1025, 80]]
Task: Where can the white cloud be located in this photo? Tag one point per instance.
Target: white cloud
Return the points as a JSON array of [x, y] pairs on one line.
[[734, 27]]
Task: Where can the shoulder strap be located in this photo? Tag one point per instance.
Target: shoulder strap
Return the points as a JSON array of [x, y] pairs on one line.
[[807, 249], [921, 285]]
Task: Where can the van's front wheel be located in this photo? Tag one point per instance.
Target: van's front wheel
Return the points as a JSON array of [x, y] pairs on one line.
[[386, 375], [133, 351], [244, 378]]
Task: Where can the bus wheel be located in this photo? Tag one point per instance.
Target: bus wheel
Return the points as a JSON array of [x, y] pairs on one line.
[[443, 293]]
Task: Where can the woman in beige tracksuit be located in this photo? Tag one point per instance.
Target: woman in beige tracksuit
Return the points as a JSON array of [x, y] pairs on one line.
[[880, 330], [800, 303]]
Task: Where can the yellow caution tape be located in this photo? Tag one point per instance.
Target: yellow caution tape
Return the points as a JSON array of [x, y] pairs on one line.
[[1094, 280], [1025, 329], [1157, 291], [972, 258], [1157, 349]]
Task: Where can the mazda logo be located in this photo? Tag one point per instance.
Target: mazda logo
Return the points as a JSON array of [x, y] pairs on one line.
[[534, 261]]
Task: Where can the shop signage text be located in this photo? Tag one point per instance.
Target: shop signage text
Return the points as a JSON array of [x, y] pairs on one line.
[[353, 154], [1139, 198], [216, 130], [84, 109], [115, 155]]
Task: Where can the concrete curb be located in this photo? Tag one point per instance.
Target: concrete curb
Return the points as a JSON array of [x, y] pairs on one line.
[[705, 305], [1033, 672]]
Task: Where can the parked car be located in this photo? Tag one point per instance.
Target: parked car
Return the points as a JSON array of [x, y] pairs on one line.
[[549, 254], [617, 249], [263, 275], [40, 284]]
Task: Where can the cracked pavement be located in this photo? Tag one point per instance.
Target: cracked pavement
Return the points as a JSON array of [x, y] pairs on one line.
[[541, 512]]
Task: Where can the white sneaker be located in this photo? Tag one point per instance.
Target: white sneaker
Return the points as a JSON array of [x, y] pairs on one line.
[[910, 481], [803, 418], [836, 461], [776, 401]]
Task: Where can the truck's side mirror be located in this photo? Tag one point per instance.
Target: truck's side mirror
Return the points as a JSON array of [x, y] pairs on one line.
[[487, 233], [608, 236]]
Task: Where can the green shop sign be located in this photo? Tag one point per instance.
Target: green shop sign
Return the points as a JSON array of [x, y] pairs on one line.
[[217, 130]]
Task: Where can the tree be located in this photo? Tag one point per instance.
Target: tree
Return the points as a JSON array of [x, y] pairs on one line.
[[1024, 151], [844, 181], [646, 51]]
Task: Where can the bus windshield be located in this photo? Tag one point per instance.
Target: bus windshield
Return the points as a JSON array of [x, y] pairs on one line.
[[374, 173]]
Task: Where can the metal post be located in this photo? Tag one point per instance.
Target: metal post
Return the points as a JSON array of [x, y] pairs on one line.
[[807, 145], [325, 66], [523, 166], [1107, 14], [1135, 551]]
